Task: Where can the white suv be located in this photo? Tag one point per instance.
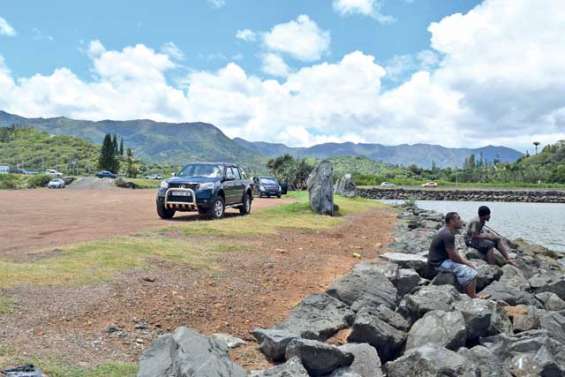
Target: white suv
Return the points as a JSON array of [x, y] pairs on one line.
[[53, 173]]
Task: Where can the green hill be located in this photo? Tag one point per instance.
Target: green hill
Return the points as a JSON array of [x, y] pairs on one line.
[[32, 149]]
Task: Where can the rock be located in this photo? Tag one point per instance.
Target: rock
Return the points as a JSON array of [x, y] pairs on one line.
[[443, 329], [406, 281], [428, 298], [292, 368], [367, 288], [411, 261], [187, 353], [482, 318], [551, 301], [431, 361], [550, 281], [112, 328], [446, 278], [366, 362], [511, 296], [389, 316], [554, 323], [318, 317], [345, 186], [318, 358], [369, 328], [488, 364], [320, 188], [486, 274], [230, 340], [513, 278], [344, 372], [273, 342], [523, 317], [540, 363]]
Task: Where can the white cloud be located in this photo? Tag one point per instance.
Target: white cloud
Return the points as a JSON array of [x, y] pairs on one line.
[[172, 51], [6, 29], [370, 8], [246, 35], [301, 38], [274, 65], [496, 75], [217, 3]]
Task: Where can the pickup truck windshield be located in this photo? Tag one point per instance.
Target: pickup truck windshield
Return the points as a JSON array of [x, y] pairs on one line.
[[199, 170], [269, 181]]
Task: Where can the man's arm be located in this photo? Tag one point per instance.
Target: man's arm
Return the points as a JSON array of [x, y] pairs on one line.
[[477, 235], [454, 256]]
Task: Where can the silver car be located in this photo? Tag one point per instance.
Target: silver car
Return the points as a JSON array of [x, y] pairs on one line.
[[56, 183]]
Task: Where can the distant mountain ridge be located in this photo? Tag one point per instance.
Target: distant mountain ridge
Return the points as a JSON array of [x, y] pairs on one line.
[[178, 143]]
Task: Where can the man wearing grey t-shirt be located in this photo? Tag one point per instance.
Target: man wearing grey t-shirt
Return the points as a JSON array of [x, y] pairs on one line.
[[444, 257]]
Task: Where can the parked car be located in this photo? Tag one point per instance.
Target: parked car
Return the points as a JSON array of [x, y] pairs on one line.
[[267, 186], [387, 184], [206, 187], [153, 176], [105, 174], [53, 173], [429, 184], [22, 171], [56, 183]]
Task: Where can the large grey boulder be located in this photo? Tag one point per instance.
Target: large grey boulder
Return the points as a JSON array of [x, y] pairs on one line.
[[549, 281], [486, 274], [511, 296], [483, 318], [524, 317], [273, 342], [320, 188], [318, 317], [292, 368], [514, 278], [443, 329], [318, 358], [551, 301], [364, 288], [431, 361], [389, 316], [554, 323], [187, 353], [428, 298], [369, 328], [404, 279], [411, 261], [488, 364], [366, 362]]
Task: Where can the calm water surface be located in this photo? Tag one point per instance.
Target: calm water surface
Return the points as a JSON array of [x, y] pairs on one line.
[[541, 223]]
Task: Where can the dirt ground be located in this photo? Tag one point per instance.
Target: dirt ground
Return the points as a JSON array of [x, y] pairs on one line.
[[115, 321], [32, 220]]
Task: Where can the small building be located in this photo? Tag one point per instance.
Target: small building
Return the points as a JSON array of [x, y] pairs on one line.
[[4, 169]]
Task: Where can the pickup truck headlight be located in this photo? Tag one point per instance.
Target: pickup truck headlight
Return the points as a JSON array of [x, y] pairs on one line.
[[164, 184], [206, 186], [261, 188]]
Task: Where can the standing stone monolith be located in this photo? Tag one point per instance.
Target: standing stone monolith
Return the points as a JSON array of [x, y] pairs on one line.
[[320, 189]]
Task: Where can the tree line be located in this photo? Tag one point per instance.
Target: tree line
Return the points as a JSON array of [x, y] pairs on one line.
[[113, 155]]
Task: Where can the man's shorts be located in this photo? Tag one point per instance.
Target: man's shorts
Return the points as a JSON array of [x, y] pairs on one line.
[[463, 273], [483, 246]]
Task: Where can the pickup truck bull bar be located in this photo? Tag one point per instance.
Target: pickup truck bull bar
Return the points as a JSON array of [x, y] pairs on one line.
[[181, 205]]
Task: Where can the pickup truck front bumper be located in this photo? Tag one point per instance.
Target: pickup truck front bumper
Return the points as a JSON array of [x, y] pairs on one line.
[[184, 199]]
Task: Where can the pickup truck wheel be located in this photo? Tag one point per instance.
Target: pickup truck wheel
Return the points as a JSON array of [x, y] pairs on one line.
[[246, 207], [218, 208], [163, 212]]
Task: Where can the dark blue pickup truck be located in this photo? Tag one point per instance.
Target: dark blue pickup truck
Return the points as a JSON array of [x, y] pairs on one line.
[[206, 187]]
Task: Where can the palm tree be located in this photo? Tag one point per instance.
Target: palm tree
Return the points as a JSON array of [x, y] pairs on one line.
[[536, 143]]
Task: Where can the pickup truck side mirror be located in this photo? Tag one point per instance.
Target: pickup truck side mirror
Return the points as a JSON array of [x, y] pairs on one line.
[[173, 174]]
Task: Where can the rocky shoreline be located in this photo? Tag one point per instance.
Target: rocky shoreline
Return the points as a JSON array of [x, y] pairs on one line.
[[531, 196], [400, 319]]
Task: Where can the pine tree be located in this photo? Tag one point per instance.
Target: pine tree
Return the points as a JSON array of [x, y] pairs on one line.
[[121, 146], [115, 144], [106, 159]]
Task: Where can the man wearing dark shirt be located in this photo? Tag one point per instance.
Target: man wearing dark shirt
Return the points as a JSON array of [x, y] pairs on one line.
[[483, 241], [444, 257]]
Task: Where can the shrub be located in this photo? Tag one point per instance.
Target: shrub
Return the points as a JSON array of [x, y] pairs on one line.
[[39, 180]]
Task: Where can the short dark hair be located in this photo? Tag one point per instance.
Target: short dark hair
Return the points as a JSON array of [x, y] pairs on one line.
[[484, 211], [450, 216]]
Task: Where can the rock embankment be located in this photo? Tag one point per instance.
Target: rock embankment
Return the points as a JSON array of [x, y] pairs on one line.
[[533, 196], [400, 319]]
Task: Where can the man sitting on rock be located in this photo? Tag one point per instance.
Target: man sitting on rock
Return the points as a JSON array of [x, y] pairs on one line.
[[484, 241], [444, 257]]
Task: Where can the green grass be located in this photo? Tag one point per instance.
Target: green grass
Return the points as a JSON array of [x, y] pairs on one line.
[[143, 183], [6, 305], [19, 181]]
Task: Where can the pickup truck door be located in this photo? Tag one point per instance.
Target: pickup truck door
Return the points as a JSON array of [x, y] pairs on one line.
[[240, 185], [230, 186]]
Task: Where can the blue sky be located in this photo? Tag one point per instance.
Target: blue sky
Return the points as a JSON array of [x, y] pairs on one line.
[[449, 72]]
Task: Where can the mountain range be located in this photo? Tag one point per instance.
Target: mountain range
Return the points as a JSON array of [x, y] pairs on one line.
[[178, 143]]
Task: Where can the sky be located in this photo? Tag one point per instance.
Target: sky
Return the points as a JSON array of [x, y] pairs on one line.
[[459, 73]]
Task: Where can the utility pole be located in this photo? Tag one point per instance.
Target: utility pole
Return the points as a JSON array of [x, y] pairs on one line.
[[536, 143]]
